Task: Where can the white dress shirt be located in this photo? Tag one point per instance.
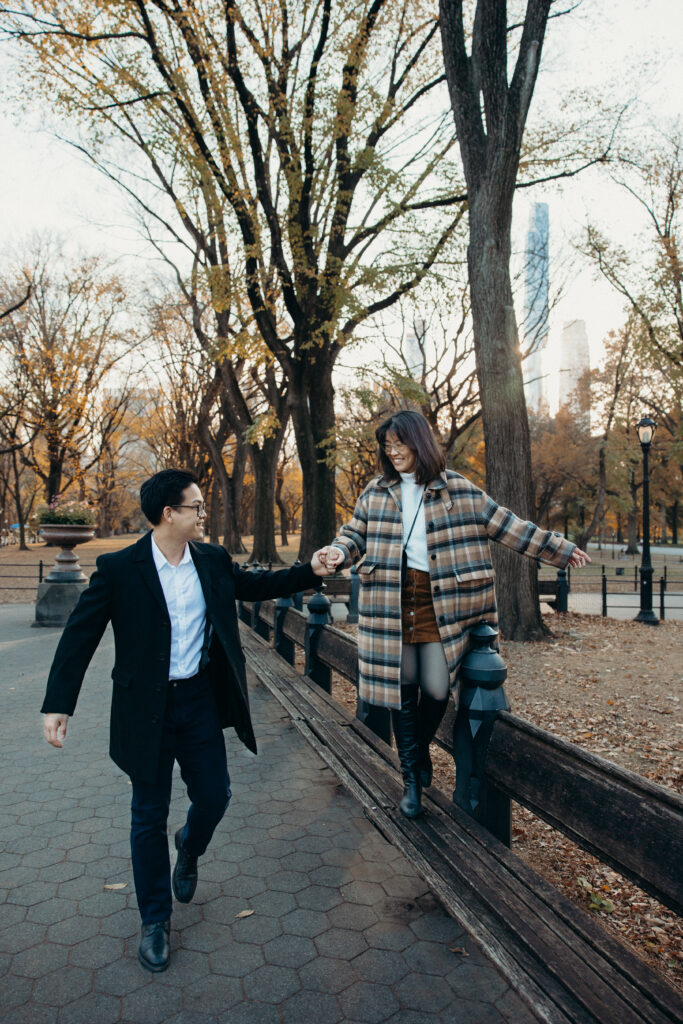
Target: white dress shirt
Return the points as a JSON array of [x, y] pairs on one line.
[[412, 499], [186, 609]]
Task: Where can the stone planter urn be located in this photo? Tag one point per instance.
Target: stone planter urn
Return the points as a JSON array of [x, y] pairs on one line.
[[61, 589]]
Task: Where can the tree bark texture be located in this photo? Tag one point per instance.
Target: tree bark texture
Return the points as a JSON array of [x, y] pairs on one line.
[[282, 508], [490, 117], [311, 398], [264, 462], [214, 510], [231, 494], [18, 502]]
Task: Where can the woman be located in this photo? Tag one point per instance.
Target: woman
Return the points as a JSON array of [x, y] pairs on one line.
[[426, 580]]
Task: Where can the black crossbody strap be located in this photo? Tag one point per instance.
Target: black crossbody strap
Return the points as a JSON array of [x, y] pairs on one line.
[[419, 506]]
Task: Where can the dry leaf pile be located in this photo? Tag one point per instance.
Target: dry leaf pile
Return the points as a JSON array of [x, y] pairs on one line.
[[615, 689]]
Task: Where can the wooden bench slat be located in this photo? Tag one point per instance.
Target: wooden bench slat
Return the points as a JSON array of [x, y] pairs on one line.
[[628, 822], [503, 893], [598, 940], [465, 909], [551, 937]]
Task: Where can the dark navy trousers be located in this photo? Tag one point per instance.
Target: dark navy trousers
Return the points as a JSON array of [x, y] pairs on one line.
[[192, 736]]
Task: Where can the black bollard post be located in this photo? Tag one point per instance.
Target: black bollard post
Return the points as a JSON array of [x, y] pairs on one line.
[[318, 616], [482, 673], [604, 597], [283, 645], [354, 595], [562, 599]]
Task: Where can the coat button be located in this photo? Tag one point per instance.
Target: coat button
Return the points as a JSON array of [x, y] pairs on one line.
[[437, 588], [442, 619], [155, 719], [430, 527], [433, 558], [162, 656]]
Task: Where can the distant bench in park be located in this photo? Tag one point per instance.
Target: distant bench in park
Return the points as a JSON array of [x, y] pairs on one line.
[[556, 956]]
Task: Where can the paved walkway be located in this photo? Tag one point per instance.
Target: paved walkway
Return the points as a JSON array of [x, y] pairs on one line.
[[342, 929]]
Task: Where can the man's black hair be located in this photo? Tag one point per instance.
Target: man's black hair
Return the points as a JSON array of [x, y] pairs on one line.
[[162, 489]]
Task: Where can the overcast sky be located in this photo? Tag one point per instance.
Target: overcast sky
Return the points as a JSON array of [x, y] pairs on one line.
[[44, 185]]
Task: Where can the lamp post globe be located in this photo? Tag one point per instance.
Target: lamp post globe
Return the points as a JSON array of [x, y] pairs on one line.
[[646, 432]]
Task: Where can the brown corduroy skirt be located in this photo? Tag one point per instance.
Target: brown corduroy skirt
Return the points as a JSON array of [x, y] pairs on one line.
[[418, 620]]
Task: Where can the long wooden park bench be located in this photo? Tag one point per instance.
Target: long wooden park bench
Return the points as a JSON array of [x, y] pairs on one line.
[[557, 957]]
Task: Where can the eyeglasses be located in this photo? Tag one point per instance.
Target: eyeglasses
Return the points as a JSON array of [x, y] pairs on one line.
[[400, 449], [200, 509]]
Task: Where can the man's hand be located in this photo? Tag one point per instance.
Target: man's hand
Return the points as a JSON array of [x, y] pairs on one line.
[[326, 561], [54, 728], [579, 559]]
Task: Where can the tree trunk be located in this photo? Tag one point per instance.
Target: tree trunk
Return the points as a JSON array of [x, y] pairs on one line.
[[674, 523], [55, 460], [214, 517], [279, 481], [231, 494], [504, 415], [490, 93], [17, 501], [311, 398], [230, 487], [264, 462]]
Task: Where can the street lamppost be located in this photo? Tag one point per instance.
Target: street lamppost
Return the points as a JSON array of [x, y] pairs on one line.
[[646, 431]]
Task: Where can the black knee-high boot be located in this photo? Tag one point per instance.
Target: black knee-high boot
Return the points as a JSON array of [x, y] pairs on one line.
[[404, 723], [430, 713]]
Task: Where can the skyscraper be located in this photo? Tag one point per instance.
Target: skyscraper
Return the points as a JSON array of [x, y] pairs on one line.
[[535, 322], [574, 363], [412, 353]]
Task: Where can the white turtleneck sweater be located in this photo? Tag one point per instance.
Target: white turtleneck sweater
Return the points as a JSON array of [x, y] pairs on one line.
[[412, 498]]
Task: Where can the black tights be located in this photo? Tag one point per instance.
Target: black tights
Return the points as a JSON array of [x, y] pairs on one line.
[[425, 664]]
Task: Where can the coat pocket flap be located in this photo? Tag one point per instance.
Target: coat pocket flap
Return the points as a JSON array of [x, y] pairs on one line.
[[474, 575], [366, 568], [121, 677]]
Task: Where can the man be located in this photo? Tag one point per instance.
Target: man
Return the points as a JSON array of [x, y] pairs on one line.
[[179, 680]]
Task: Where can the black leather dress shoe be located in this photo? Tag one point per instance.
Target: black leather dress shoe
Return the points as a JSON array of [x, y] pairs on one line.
[[155, 950], [184, 878]]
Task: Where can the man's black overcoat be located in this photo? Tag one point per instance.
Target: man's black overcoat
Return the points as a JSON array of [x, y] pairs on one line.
[[126, 590]]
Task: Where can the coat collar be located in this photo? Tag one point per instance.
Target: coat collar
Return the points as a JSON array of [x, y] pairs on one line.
[[434, 485], [203, 566], [142, 554], [439, 485]]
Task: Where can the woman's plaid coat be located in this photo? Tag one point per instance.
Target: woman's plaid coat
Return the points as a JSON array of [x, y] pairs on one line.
[[460, 520]]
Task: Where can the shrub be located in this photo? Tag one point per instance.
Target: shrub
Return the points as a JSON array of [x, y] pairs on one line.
[[67, 510]]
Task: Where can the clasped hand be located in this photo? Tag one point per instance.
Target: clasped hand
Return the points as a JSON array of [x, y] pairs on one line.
[[327, 560]]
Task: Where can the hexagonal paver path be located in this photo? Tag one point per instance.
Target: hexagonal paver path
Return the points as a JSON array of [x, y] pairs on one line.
[[303, 912]]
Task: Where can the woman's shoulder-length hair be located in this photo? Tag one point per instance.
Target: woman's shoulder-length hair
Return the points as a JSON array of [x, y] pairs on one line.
[[413, 430]]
